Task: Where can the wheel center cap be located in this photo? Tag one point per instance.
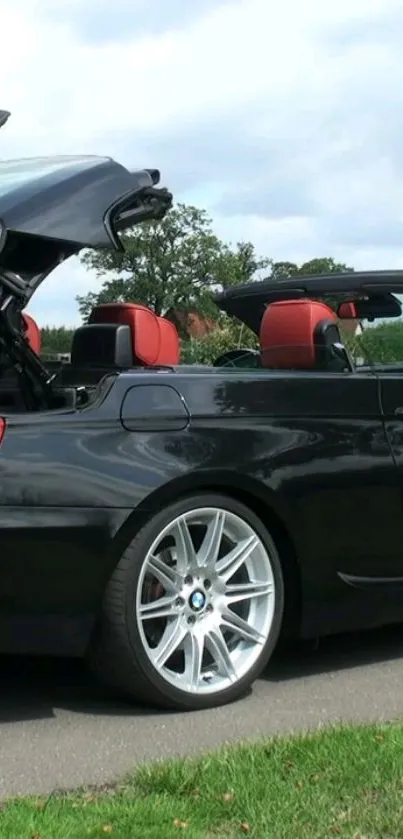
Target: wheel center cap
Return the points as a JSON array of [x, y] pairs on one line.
[[197, 600]]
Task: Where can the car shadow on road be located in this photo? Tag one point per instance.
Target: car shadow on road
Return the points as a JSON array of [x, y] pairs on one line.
[[338, 652], [31, 688]]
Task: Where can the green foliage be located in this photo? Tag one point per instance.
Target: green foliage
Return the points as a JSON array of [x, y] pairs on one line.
[[381, 344], [228, 335], [321, 265], [241, 265], [56, 339], [172, 263]]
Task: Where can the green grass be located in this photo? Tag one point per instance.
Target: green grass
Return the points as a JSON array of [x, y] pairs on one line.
[[343, 782]]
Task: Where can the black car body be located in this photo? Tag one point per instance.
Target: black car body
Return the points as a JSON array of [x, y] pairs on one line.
[[98, 458]]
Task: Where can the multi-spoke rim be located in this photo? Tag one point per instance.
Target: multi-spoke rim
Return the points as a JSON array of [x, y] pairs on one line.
[[205, 600]]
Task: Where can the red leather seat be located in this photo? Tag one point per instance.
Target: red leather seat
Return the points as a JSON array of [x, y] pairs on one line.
[[155, 339], [33, 333], [299, 335]]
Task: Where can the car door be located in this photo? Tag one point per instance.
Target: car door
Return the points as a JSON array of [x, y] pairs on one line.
[[318, 444], [348, 503]]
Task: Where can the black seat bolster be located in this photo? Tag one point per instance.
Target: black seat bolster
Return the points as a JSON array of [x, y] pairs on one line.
[[330, 352], [107, 345]]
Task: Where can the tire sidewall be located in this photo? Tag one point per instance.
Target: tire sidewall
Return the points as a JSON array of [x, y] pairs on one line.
[[138, 550]]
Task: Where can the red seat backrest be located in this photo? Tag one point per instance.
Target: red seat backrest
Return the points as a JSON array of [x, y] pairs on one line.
[[169, 342], [287, 333], [155, 339], [33, 333]]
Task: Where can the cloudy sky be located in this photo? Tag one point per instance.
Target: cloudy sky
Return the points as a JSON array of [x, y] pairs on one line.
[[283, 119]]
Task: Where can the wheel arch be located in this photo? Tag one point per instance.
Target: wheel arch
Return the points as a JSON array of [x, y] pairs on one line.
[[261, 500]]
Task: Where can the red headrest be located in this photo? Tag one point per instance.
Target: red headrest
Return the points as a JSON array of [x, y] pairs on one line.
[[155, 339], [33, 334], [348, 310], [287, 339]]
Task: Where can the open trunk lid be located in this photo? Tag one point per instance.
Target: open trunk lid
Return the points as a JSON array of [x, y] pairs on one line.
[[52, 207]]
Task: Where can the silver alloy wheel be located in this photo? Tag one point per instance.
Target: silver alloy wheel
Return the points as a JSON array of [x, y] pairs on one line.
[[205, 600]]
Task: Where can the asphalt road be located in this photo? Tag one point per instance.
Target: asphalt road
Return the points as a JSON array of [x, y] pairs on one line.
[[59, 730]]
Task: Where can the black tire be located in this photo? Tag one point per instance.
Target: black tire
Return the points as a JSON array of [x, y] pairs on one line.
[[117, 655]]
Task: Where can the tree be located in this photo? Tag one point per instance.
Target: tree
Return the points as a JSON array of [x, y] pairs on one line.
[[241, 265], [56, 339], [321, 265], [169, 264]]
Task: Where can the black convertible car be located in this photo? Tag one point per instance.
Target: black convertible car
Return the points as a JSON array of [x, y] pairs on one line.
[[170, 522]]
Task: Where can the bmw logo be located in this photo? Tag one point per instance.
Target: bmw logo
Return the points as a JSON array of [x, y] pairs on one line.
[[197, 601]]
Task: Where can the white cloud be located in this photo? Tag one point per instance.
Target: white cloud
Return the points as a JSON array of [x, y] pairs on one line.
[[54, 303], [289, 110]]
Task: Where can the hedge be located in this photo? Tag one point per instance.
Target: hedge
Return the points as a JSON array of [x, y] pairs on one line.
[[381, 344], [228, 335]]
